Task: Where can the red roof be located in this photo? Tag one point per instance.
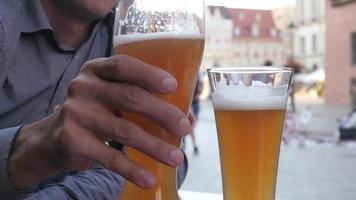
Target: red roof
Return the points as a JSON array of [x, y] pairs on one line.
[[245, 19]]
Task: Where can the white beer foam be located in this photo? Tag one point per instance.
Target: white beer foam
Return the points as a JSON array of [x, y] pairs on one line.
[[126, 39], [257, 97]]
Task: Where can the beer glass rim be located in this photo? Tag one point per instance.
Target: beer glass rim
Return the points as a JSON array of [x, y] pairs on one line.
[[246, 70]]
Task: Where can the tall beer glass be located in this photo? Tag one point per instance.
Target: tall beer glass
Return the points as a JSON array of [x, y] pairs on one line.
[[168, 34], [249, 106]]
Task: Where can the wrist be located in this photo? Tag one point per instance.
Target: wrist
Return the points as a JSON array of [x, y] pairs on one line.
[[29, 161]]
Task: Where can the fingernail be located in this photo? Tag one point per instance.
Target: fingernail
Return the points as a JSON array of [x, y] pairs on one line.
[[148, 180], [185, 126], [176, 157], [170, 84]]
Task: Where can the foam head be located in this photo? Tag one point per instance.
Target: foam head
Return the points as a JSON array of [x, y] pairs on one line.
[[126, 39], [259, 96]]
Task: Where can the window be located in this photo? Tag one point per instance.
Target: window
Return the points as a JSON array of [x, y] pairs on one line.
[[353, 91], [258, 17], [315, 43], [273, 32], [255, 30], [314, 10], [301, 11], [237, 31], [241, 16], [302, 45], [353, 48]]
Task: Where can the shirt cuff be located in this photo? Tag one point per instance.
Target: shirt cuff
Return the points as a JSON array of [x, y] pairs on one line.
[[7, 137], [53, 193]]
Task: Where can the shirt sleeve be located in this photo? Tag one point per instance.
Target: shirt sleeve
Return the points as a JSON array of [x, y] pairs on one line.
[[53, 193], [97, 183], [6, 190]]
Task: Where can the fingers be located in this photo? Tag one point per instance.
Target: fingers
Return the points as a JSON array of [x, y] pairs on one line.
[[133, 71], [113, 160], [137, 100], [105, 126], [121, 84], [130, 98], [129, 91], [81, 145]]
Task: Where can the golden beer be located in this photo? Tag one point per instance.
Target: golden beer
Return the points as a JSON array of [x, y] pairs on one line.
[[249, 142], [180, 55]]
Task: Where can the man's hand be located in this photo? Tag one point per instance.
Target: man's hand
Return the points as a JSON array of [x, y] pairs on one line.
[[74, 137]]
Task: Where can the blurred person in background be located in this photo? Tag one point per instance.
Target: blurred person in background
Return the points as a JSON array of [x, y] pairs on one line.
[[297, 70], [61, 102], [196, 110]]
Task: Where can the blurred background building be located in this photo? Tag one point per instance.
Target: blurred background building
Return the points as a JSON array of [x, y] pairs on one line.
[[309, 34], [319, 36], [284, 21], [340, 88], [219, 27], [242, 37], [256, 39]]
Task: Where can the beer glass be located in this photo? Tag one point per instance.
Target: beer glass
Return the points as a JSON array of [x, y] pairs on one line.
[[168, 34], [249, 106]]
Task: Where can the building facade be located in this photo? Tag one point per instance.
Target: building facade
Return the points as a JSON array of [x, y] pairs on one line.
[[241, 37], [284, 20], [340, 86], [256, 39], [218, 29], [309, 33]]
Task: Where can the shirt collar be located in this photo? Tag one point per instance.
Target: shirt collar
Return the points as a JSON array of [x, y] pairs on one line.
[[34, 17]]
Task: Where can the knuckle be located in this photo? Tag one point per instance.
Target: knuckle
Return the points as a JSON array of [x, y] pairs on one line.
[[91, 64], [124, 131], [65, 137], [111, 160], [76, 86], [169, 112], [67, 110], [161, 149], [133, 96], [115, 66], [87, 65], [122, 58]]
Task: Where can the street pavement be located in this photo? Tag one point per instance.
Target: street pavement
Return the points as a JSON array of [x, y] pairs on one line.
[[319, 167]]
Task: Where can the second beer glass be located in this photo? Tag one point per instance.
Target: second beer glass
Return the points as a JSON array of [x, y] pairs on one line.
[[249, 105], [169, 35]]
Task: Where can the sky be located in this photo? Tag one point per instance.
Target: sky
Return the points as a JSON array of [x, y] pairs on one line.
[[251, 4]]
